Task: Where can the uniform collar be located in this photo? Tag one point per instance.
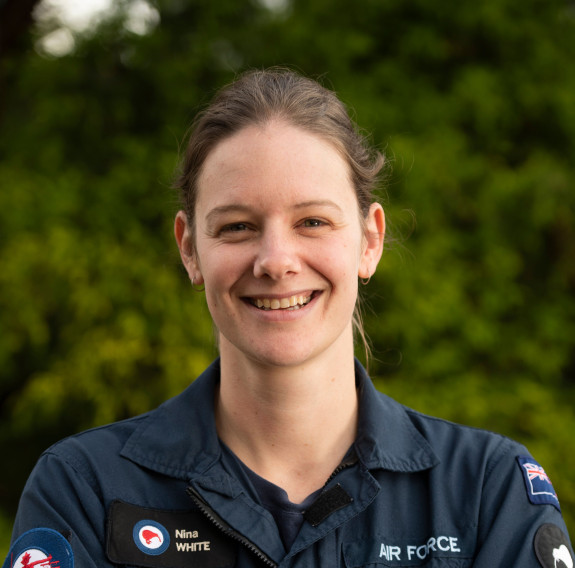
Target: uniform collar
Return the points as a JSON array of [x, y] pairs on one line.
[[179, 438], [387, 438]]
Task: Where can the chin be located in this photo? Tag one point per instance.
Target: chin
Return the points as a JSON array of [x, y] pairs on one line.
[[273, 354], [284, 358]]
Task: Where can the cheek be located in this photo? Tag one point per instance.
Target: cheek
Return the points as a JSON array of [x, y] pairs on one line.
[[221, 271], [340, 258], [339, 266], [218, 262], [214, 310]]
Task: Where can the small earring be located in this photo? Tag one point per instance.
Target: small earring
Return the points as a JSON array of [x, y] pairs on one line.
[[365, 281], [195, 288]]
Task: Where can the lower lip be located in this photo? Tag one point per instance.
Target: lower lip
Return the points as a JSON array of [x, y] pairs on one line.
[[286, 315]]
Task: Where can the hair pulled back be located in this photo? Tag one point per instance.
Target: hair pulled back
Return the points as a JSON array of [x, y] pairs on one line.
[[258, 97]]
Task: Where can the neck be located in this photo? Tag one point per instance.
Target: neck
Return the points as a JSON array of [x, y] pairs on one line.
[[291, 425]]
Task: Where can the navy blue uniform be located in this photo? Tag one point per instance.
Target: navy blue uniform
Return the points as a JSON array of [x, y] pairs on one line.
[[157, 490]]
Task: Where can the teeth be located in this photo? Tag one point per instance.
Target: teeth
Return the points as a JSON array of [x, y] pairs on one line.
[[291, 303]]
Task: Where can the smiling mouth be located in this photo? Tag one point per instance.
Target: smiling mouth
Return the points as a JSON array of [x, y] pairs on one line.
[[289, 304]]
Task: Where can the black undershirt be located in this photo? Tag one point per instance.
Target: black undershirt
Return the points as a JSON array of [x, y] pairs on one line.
[[288, 516]]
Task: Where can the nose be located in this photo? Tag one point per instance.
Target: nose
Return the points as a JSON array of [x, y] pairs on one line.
[[277, 255]]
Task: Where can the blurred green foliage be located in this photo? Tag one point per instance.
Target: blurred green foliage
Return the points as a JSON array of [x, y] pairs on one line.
[[472, 312]]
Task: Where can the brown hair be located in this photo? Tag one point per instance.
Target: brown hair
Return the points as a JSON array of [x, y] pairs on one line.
[[256, 98]]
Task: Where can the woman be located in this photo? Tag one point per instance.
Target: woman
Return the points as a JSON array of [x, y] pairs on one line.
[[282, 453]]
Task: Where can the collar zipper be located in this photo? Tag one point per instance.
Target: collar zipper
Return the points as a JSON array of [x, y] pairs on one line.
[[216, 520], [343, 465]]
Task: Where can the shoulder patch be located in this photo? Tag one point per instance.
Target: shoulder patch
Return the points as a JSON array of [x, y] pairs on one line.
[[40, 548], [539, 487], [552, 547]]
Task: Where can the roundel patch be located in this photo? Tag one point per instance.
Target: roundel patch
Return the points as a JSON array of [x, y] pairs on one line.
[[151, 537], [41, 548], [552, 548]]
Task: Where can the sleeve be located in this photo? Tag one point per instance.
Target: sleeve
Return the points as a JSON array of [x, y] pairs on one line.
[[61, 519], [520, 520]]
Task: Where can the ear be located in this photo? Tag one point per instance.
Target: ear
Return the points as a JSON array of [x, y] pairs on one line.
[[183, 234], [374, 237]]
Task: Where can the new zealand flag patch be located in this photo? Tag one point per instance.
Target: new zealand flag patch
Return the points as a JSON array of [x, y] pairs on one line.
[[539, 487]]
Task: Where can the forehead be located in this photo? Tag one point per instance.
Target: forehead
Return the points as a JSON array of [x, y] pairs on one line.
[[276, 160]]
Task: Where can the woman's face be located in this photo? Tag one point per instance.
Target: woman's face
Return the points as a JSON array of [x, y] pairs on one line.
[[279, 245]]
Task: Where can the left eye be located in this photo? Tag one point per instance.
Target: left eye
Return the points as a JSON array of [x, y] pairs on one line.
[[313, 223]]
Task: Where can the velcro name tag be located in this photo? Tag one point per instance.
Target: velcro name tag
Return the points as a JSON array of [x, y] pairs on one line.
[[156, 538]]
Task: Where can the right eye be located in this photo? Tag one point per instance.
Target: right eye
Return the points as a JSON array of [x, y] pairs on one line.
[[234, 228], [235, 232]]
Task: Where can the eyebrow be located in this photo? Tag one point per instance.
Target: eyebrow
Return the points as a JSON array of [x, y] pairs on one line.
[[320, 203], [239, 208], [223, 209]]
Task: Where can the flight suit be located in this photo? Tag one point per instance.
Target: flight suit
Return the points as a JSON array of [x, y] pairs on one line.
[[158, 491]]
